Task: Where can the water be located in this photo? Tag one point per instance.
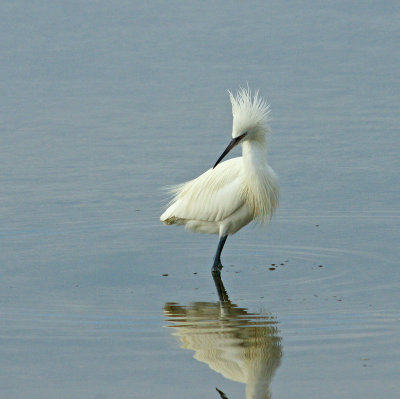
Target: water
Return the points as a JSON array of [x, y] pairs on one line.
[[103, 104]]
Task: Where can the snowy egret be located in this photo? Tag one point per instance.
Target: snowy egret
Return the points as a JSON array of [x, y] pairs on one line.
[[232, 193], [242, 346]]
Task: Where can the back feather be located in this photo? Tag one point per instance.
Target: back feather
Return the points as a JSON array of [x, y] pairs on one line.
[[213, 196]]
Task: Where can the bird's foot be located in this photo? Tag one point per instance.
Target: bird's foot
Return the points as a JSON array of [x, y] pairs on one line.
[[217, 266]]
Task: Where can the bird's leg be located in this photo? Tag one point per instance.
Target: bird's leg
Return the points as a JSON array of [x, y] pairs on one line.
[[217, 266], [222, 294]]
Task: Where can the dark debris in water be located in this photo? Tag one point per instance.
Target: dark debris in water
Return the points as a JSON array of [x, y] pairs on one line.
[[365, 361], [274, 266], [165, 274]]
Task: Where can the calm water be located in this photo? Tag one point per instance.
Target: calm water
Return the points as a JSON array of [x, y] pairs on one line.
[[103, 104]]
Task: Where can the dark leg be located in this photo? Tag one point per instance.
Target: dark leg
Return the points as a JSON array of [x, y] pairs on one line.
[[222, 294], [217, 266]]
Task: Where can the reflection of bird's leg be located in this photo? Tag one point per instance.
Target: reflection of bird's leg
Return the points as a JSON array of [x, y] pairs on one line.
[[217, 266], [223, 295]]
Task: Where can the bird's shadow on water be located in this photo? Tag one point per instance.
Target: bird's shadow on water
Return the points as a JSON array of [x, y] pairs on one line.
[[242, 346]]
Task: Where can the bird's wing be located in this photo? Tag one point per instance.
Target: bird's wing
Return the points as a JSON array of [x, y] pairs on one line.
[[213, 196]]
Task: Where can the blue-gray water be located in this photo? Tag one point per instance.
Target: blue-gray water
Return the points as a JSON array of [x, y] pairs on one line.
[[102, 104]]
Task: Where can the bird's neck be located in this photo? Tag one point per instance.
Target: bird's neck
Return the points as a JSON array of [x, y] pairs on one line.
[[260, 189], [255, 155]]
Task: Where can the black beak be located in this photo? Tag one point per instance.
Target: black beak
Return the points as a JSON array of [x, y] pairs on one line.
[[223, 396], [234, 142]]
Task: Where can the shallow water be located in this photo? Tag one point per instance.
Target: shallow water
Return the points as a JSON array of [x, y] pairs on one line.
[[102, 105]]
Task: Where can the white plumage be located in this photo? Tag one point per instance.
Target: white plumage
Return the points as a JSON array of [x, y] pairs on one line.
[[242, 346], [233, 193]]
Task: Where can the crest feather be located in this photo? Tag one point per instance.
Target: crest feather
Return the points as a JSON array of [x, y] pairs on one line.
[[249, 110]]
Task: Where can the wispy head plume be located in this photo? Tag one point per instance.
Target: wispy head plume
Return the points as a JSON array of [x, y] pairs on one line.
[[249, 111]]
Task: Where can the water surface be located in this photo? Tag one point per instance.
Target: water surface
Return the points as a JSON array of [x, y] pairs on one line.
[[102, 105]]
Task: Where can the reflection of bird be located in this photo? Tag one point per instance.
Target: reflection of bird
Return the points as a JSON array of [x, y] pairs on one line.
[[233, 193], [242, 346]]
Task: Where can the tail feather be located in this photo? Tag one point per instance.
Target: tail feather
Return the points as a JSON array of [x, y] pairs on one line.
[[170, 220]]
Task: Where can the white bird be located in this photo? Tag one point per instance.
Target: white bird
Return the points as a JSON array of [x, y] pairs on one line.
[[242, 346], [233, 193]]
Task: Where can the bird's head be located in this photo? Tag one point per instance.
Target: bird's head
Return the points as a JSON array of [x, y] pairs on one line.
[[250, 119]]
